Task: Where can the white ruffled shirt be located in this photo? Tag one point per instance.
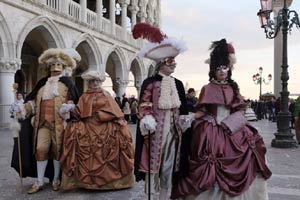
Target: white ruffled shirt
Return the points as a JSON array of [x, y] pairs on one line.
[[168, 93], [51, 88]]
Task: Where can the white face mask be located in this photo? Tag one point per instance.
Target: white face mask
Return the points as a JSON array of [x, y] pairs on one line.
[[223, 68], [56, 67], [222, 73], [94, 83]]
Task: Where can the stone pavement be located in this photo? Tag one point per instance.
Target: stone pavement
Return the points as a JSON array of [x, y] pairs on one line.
[[283, 185]]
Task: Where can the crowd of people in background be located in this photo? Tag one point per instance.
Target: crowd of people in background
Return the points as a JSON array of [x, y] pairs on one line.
[[268, 109], [256, 110], [129, 107]]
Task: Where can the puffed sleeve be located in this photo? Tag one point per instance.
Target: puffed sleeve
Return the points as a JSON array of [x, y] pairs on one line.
[[146, 104]]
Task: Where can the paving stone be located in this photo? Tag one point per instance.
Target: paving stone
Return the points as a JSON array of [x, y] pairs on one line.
[[283, 185]]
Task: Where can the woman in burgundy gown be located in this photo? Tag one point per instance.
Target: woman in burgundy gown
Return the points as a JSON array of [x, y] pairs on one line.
[[227, 155]]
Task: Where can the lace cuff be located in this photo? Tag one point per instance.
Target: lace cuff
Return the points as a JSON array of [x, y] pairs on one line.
[[185, 121]]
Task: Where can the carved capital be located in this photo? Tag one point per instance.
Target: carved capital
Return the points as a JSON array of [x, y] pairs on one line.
[[120, 82], [12, 65], [142, 14], [150, 20], [134, 9], [143, 3], [124, 2], [134, 2]]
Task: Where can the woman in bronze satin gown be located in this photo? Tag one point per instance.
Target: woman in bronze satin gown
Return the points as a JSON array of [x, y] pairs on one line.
[[97, 146]]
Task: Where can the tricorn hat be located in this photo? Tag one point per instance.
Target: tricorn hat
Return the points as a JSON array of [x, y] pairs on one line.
[[54, 55], [160, 46]]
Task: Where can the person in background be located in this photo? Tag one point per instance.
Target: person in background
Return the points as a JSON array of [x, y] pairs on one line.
[[17, 108], [292, 110], [134, 110], [118, 100], [297, 119], [126, 109], [191, 99]]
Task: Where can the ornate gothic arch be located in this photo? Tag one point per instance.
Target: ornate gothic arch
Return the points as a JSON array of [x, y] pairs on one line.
[[95, 58], [118, 57], [46, 23], [137, 68], [7, 51]]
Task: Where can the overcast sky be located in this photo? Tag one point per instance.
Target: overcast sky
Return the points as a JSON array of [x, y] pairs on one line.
[[200, 22]]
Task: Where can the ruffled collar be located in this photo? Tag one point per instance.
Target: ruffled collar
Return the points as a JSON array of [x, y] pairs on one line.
[[168, 93], [219, 82]]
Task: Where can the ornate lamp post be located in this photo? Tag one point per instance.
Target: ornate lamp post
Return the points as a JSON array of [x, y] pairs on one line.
[[258, 80], [285, 20]]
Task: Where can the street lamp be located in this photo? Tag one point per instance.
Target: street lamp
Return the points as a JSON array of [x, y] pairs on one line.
[[258, 79], [285, 20]]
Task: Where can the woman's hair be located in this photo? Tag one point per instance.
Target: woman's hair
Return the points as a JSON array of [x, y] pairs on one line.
[[232, 83], [20, 92]]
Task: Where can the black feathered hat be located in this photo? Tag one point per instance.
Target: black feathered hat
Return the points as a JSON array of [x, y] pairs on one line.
[[222, 54]]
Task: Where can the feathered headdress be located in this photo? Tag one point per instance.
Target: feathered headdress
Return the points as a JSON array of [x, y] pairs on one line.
[[222, 53], [160, 46]]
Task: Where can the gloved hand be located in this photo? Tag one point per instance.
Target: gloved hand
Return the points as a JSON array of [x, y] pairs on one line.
[[147, 124]]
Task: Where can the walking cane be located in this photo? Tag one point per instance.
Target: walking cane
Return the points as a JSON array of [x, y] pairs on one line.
[[149, 165], [16, 127], [20, 163]]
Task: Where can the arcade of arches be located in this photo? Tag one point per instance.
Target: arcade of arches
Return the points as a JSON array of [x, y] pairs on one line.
[[24, 40]]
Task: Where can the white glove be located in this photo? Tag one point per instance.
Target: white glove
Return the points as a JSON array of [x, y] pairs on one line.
[[66, 108], [147, 124]]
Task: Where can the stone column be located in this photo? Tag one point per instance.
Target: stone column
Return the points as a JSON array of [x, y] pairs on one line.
[[134, 10], [83, 13], [112, 16], [277, 64], [119, 86], [138, 88], [143, 12], [63, 8], [8, 69], [99, 5], [124, 6], [43, 2], [143, 16]]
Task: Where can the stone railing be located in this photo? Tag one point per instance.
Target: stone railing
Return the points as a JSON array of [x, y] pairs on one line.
[[91, 18], [74, 10], [106, 25], [54, 4], [119, 32]]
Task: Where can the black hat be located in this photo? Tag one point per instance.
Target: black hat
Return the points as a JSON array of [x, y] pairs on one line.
[[222, 53]]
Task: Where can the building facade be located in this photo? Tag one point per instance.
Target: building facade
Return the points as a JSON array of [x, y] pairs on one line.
[[100, 30]]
